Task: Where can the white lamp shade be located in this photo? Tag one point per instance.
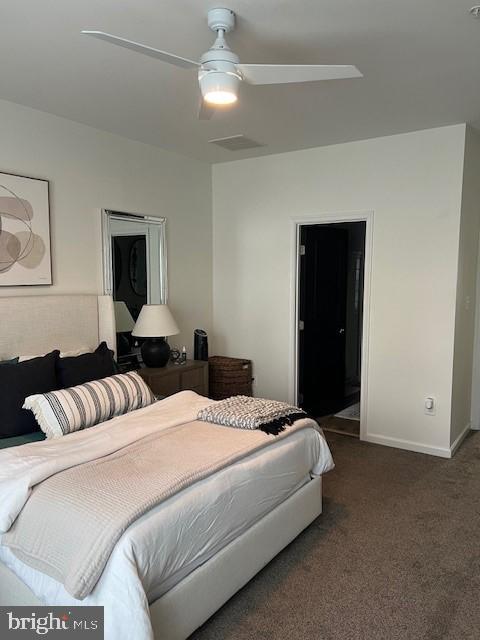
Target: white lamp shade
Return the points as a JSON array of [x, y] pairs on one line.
[[155, 321], [123, 318]]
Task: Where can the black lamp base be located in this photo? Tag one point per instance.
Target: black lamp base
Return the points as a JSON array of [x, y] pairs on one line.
[[155, 352]]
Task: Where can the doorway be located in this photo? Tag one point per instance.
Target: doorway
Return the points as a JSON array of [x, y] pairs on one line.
[[331, 287]]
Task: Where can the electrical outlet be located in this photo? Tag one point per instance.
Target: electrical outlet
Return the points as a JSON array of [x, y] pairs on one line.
[[430, 406]]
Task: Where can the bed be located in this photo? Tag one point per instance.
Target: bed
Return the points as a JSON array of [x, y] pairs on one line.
[[215, 535]]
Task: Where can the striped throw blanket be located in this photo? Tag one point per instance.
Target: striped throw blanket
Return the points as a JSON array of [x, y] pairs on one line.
[[243, 412]]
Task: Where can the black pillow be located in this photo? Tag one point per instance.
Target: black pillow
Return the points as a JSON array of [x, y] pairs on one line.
[[17, 381], [89, 366]]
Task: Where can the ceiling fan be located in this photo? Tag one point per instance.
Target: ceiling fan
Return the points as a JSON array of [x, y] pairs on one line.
[[220, 71]]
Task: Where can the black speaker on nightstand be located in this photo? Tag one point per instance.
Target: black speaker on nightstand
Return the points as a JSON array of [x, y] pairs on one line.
[[200, 340]]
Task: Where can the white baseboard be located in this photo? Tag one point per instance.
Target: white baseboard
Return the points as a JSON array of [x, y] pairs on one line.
[[418, 447], [408, 445], [458, 441]]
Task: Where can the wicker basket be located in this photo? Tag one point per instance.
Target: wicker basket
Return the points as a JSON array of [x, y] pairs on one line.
[[229, 377]]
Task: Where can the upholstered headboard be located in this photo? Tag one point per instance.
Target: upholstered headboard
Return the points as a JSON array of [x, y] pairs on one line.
[[31, 325]]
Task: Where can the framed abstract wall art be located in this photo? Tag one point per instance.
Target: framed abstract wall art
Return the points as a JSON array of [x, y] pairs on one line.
[[25, 257]]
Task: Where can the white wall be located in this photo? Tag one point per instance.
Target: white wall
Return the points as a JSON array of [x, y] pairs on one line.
[[90, 169], [413, 184]]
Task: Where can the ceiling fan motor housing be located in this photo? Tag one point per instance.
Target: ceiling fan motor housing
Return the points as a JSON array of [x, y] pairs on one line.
[[214, 56], [223, 77], [218, 71]]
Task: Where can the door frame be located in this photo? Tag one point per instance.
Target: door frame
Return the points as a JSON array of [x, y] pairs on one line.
[[331, 218]]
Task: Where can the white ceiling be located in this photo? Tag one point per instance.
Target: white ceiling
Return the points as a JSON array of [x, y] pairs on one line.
[[420, 59]]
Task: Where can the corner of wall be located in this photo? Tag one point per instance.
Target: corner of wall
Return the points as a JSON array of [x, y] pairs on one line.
[[465, 410]]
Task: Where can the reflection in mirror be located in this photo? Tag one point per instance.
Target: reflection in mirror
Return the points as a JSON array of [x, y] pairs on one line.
[[130, 281], [135, 268], [137, 263], [124, 323]]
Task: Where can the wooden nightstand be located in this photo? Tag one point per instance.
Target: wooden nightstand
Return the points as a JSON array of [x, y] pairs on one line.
[[165, 381]]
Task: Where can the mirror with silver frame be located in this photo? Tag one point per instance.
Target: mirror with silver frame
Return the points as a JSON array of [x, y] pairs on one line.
[[134, 270]]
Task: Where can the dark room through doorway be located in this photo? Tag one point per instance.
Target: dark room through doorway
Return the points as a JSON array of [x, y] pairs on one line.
[[330, 314]]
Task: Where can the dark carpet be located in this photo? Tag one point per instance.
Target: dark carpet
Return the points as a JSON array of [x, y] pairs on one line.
[[395, 555]]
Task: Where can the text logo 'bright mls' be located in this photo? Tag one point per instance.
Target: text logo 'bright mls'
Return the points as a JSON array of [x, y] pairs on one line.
[[40, 625], [31, 622]]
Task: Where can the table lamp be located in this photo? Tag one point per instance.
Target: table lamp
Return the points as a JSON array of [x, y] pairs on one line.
[[154, 323]]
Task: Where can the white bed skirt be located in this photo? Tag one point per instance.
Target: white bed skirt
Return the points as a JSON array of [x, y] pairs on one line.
[[193, 600]]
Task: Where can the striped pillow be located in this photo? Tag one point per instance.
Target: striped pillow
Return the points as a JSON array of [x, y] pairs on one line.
[[62, 412]]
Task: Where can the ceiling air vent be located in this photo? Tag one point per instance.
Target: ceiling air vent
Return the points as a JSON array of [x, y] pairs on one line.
[[236, 143]]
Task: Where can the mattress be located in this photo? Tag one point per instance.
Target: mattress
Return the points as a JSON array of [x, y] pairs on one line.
[[171, 540]]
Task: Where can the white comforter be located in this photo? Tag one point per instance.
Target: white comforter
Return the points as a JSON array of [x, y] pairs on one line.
[[191, 526]]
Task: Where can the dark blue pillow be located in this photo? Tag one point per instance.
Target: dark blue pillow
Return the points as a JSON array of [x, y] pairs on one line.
[[17, 381], [11, 361], [75, 370]]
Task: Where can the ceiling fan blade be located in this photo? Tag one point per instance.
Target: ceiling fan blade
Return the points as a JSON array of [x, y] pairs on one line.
[[205, 110], [141, 48], [281, 73]]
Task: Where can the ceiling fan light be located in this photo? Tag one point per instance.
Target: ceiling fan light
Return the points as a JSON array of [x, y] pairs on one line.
[[219, 87], [220, 97]]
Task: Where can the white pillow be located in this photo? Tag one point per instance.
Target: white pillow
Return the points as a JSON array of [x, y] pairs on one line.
[[62, 412]]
